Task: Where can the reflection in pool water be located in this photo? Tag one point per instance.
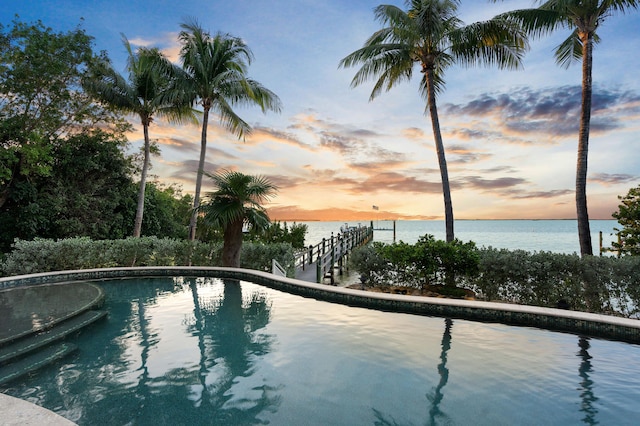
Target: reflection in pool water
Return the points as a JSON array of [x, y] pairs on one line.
[[208, 351]]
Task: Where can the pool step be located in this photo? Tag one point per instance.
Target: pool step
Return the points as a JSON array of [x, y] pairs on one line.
[[35, 361], [37, 350], [19, 348]]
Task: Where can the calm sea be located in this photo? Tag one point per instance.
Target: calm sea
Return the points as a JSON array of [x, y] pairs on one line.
[[559, 236]]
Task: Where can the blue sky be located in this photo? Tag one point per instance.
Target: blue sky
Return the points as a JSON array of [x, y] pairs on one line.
[[510, 136]]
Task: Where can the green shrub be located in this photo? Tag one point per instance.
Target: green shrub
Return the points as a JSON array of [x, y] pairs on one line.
[[605, 285], [593, 284], [369, 263], [42, 255], [628, 216], [428, 262], [259, 256]]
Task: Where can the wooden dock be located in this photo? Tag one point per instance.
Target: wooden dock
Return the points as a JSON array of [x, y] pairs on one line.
[[320, 261]]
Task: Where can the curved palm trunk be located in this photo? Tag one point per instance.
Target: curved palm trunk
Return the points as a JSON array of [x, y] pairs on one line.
[[196, 198], [442, 161], [137, 226], [232, 244], [584, 232]]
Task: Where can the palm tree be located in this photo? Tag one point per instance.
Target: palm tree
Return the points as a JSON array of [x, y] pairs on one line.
[[237, 200], [144, 95], [583, 17], [430, 34], [216, 77]]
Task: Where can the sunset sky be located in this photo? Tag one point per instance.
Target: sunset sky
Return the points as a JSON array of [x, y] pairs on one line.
[[510, 136]]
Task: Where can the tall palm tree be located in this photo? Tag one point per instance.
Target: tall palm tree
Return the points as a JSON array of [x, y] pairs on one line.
[[430, 34], [583, 17], [216, 77], [144, 95], [237, 200]]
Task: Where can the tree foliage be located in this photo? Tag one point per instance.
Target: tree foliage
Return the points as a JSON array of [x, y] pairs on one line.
[[628, 216], [41, 98], [430, 34], [236, 201], [88, 192], [583, 18], [143, 94], [215, 76]]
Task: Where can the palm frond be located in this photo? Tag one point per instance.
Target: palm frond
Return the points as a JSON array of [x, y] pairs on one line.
[[237, 197], [495, 42], [216, 68], [536, 22], [569, 51]]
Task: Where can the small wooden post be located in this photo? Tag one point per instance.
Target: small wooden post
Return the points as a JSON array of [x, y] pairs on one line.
[[600, 235], [394, 231]]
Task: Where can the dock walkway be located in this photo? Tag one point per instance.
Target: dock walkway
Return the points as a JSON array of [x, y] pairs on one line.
[[319, 261]]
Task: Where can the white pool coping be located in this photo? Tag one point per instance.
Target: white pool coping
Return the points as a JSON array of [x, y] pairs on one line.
[[17, 412]]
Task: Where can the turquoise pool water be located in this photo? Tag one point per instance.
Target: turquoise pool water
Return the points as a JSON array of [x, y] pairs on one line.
[[222, 352]]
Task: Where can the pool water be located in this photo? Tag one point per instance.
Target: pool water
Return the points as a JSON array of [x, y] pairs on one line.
[[221, 352]]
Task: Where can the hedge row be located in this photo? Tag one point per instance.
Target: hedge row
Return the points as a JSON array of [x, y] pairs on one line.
[[42, 255], [606, 285]]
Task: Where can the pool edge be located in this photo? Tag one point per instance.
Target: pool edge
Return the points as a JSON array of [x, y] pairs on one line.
[[596, 325]]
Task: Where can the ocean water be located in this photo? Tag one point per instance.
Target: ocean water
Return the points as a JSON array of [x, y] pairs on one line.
[[558, 236]]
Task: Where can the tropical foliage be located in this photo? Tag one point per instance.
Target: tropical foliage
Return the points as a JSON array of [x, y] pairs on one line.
[[583, 18], [89, 192], [236, 202], [144, 95], [628, 216], [41, 101], [216, 78], [430, 34]]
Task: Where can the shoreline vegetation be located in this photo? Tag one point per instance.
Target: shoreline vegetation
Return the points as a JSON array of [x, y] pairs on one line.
[[604, 285]]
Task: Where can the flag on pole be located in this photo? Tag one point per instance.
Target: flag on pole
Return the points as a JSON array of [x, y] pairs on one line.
[[376, 208]]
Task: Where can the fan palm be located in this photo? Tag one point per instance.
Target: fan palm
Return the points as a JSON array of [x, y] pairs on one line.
[[430, 34], [236, 201], [583, 17], [144, 95], [216, 77]]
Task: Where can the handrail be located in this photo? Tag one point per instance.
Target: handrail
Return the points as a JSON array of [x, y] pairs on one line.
[[329, 251], [277, 269]]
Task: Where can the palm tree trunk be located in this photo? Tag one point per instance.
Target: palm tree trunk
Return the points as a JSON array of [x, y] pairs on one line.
[[442, 161], [584, 232], [232, 244], [196, 198], [137, 226]]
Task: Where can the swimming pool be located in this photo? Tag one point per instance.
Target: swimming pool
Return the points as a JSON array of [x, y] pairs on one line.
[[218, 351]]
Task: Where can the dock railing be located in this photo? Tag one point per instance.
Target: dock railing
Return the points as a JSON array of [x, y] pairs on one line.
[[332, 251]]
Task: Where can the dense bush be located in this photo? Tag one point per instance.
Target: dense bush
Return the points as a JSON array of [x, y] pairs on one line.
[[41, 255], [428, 262], [369, 263], [594, 284], [628, 216], [606, 285]]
